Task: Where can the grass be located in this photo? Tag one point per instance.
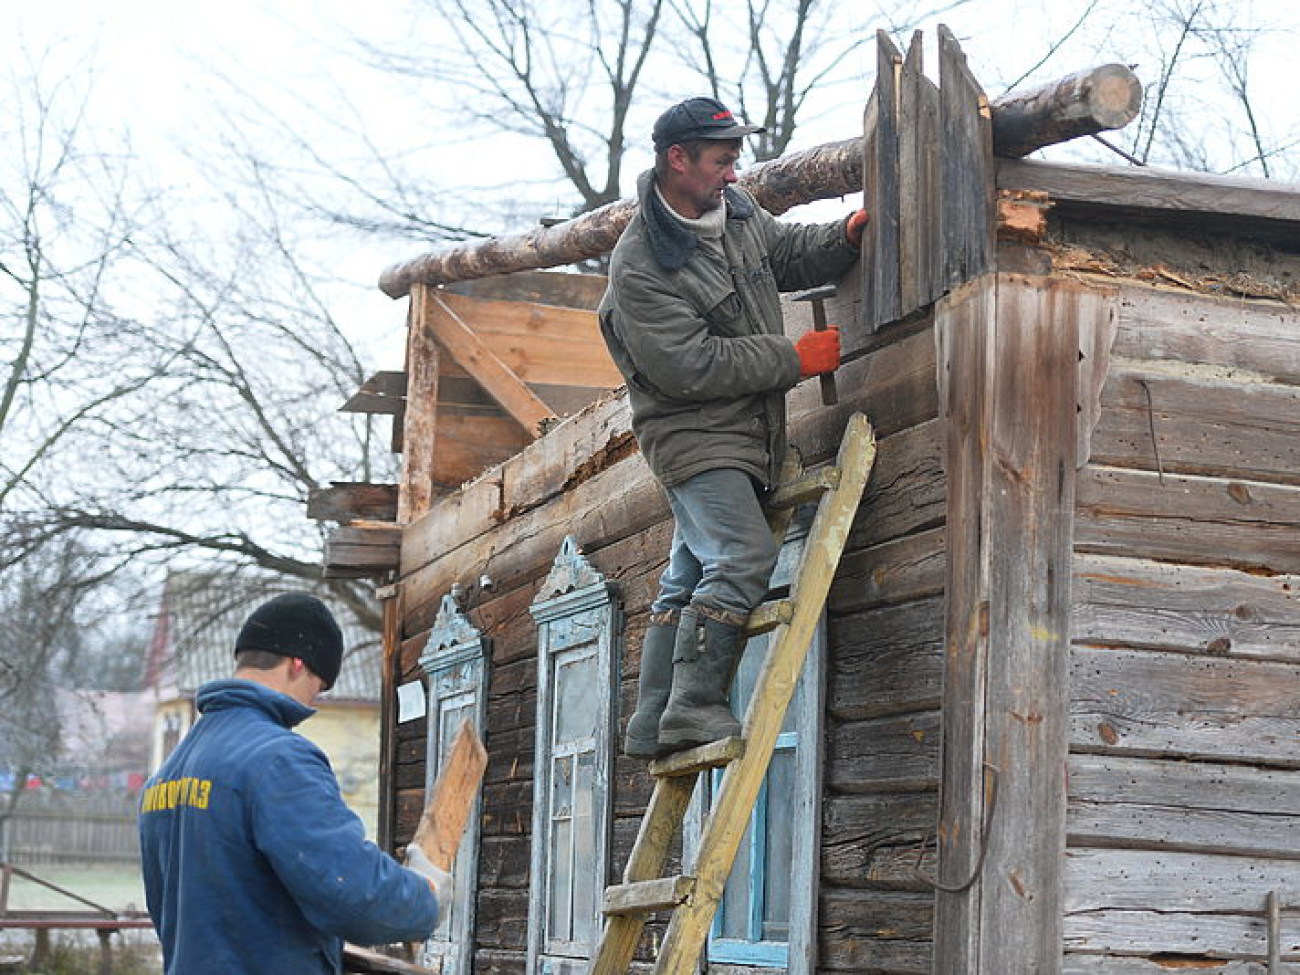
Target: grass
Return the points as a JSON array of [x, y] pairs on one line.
[[118, 887]]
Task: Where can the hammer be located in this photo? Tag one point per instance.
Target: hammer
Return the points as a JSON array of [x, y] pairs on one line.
[[818, 296]]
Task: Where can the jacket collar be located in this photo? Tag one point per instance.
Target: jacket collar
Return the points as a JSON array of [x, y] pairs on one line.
[[226, 693], [671, 242]]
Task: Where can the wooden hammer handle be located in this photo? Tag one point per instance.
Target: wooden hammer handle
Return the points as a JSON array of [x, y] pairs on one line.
[[830, 395]]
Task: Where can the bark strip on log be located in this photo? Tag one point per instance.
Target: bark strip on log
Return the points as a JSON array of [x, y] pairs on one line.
[[821, 173], [1107, 97], [1081, 104]]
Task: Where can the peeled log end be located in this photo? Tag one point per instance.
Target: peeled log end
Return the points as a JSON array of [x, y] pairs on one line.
[[1098, 100]]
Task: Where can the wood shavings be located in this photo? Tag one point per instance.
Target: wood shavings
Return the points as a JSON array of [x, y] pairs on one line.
[[1072, 258]]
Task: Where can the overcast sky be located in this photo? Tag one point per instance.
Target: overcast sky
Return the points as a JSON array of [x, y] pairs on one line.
[[156, 60]]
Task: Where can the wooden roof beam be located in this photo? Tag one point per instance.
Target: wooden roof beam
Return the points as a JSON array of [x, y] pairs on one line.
[[472, 355]]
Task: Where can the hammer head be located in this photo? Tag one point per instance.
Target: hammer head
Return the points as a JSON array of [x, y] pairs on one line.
[[815, 294]]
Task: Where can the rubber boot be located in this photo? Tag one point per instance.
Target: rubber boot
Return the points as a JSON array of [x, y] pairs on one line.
[[642, 739], [697, 710]]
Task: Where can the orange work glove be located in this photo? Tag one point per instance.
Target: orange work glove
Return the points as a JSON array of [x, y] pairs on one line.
[[819, 352], [854, 225]]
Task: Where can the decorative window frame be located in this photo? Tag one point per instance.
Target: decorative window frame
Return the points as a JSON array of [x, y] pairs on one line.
[[797, 955], [454, 663], [576, 614]]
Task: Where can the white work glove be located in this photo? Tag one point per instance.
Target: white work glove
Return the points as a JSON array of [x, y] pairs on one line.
[[441, 879]]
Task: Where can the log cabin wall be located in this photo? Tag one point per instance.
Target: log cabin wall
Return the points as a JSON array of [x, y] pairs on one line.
[[586, 480], [1119, 788], [1184, 664], [1076, 560]]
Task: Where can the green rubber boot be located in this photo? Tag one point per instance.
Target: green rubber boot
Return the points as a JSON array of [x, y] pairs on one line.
[[642, 739], [704, 660]]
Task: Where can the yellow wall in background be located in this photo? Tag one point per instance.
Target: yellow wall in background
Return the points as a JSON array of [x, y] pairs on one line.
[[349, 735]]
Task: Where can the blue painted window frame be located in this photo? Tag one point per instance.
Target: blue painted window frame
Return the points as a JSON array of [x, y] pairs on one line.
[[797, 953]]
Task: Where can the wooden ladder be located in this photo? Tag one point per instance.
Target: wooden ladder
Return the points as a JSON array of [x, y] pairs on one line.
[[694, 899]]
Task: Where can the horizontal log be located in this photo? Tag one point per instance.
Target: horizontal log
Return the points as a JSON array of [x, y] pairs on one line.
[[1182, 936], [1155, 191], [344, 502], [894, 754], [827, 171], [1165, 828], [1205, 421], [360, 551], [1175, 329], [1184, 706], [820, 173], [875, 840], [1103, 98], [1158, 963], [1250, 526], [875, 931], [1142, 880], [886, 661], [907, 568], [1221, 612]]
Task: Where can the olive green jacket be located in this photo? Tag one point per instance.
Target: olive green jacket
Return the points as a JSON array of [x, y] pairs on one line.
[[701, 341]]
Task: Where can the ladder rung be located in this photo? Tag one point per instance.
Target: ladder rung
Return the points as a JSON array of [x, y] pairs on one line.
[[697, 759], [804, 488], [768, 616], [647, 896]]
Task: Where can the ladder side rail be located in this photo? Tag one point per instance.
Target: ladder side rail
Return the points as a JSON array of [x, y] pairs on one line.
[[742, 779]]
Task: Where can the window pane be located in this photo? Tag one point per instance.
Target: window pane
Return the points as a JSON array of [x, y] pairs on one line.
[[780, 846], [584, 852], [735, 905], [576, 699], [559, 922]]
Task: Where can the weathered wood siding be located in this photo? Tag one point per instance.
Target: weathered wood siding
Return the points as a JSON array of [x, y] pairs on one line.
[[884, 668], [1184, 722], [885, 635]]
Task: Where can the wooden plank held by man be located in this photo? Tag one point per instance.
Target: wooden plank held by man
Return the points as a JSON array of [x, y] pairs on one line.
[[448, 805]]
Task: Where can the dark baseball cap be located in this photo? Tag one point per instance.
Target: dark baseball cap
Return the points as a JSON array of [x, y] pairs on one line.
[[698, 118]]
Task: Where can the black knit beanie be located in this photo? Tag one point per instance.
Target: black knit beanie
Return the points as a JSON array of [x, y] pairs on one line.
[[296, 624]]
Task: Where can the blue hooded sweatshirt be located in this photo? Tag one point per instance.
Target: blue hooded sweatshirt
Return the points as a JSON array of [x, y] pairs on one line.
[[252, 863]]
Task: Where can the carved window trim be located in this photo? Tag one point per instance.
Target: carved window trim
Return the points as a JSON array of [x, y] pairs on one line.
[[454, 663], [578, 624]]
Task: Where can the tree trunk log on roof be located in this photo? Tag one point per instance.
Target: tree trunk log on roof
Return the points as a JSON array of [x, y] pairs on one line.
[[1088, 102]]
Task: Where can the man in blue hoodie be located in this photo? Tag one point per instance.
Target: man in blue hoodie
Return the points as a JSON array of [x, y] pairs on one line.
[[252, 862]]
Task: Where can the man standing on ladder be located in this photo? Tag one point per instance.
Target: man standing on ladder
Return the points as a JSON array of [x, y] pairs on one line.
[[692, 318]]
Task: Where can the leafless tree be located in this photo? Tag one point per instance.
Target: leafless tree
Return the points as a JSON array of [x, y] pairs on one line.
[[168, 391], [40, 642], [766, 58], [565, 75], [70, 356]]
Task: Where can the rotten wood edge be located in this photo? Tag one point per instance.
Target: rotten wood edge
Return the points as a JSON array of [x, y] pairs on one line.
[[1155, 191]]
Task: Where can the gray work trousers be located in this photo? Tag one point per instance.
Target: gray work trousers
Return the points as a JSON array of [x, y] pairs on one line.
[[723, 552]]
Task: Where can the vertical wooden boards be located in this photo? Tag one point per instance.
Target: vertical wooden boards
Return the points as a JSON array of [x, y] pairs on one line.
[[881, 297], [1011, 351], [419, 418], [965, 132], [927, 179], [390, 664], [963, 330], [920, 251]]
